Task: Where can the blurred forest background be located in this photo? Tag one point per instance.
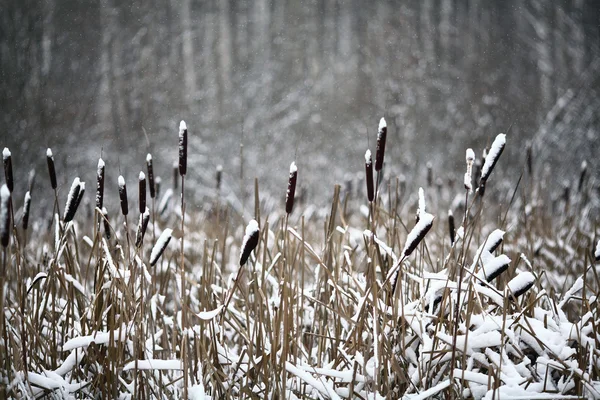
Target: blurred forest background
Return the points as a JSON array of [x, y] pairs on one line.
[[297, 80]]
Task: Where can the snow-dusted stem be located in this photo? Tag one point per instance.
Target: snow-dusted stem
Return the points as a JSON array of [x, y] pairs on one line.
[[183, 296]]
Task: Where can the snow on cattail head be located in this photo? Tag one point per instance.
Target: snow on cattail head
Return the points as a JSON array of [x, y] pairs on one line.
[[160, 246], [250, 241], [597, 253], [182, 148], [421, 208], [142, 192], [369, 175], [142, 225], [493, 267], [417, 234], [73, 200], [8, 174], [470, 158], [123, 195], [26, 207], [291, 189], [491, 159], [100, 184], [4, 215], [51, 170], [381, 136]]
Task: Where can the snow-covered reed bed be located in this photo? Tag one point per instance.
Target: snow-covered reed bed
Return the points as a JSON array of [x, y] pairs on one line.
[[362, 300]]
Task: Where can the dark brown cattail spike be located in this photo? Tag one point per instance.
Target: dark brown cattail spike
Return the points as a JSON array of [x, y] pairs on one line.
[[250, 241], [100, 184], [451, 227], [150, 175], [51, 170], [157, 185], [429, 174], [369, 172], [142, 225], [520, 284], [26, 207], [490, 160], [582, 176], [529, 155], [80, 194], [182, 148], [175, 176], [219, 177], [72, 201], [106, 223], [8, 174], [381, 136], [142, 192], [4, 215], [291, 189], [160, 246], [123, 195]]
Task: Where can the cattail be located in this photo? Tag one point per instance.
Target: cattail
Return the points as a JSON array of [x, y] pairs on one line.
[[219, 177], [150, 175], [123, 195], [520, 284], [8, 174], [160, 246], [51, 170], [451, 227], [470, 157], [429, 174], [175, 175], [164, 202], [494, 240], [369, 171], [250, 241], [142, 192], [72, 200], [80, 194], [582, 175], [381, 136], [291, 189], [597, 252], [182, 148], [529, 157], [142, 225], [490, 160], [493, 268], [100, 184], [4, 215], [31, 180], [106, 223], [26, 206], [417, 234], [157, 183]]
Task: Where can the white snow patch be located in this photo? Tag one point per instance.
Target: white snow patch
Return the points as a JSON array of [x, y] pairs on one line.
[[49, 152], [142, 176], [5, 153], [368, 158], [382, 123], [182, 126], [99, 338], [154, 364], [121, 182]]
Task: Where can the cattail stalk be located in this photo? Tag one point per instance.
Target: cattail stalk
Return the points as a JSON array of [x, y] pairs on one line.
[[8, 174], [183, 139], [142, 192], [291, 189]]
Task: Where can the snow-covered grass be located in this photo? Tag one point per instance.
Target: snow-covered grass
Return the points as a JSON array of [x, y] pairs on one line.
[[508, 310]]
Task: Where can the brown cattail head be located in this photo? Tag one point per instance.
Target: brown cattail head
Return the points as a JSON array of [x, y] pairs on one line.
[[142, 225], [369, 172], [182, 148], [291, 189], [451, 227], [491, 159], [160, 246], [150, 175], [417, 234], [175, 176], [72, 200], [51, 170], [582, 175], [520, 284], [381, 136], [529, 157], [4, 215], [157, 185], [470, 158], [106, 223], [100, 184], [250, 241], [8, 174], [123, 195], [142, 192], [219, 177], [429, 174], [26, 207]]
